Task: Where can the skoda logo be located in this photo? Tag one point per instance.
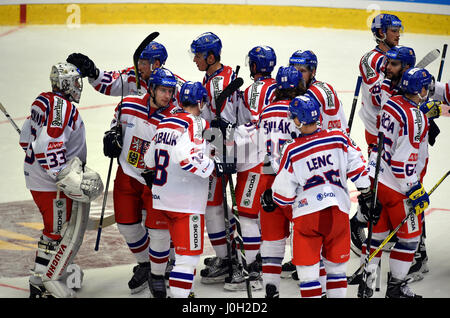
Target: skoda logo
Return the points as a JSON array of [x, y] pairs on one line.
[[320, 197]]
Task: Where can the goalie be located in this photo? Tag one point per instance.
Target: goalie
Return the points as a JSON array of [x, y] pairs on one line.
[[54, 140]]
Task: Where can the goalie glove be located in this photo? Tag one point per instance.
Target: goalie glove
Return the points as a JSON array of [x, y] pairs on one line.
[[112, 142], [84, 64], [365, 201], [79, 182], [267, 201], [432, 109], [418, 198]]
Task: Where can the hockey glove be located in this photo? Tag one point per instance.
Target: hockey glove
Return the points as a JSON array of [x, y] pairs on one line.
[[432, 109], [365, 201], [112, 142], [84, 64], [149, 176], [222, 124], [267, 201], [418, 198], [223, 168]]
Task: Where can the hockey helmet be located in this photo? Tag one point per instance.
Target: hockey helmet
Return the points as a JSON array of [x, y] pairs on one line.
[[205, 43], [404, 54], [67, 78], [288, 77], [306, 109], [307, 58], [192, 93], [384, 21], [154, 51], [163, 77], [413, 80]]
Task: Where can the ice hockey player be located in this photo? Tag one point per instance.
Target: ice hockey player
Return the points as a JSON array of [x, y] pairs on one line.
[[275, 128], [400, 189], [123, 83], [179, 159], [261, 61], [132, 129], [386, 30], [332, 111], [206, 50], [54, 139], [312, 179]]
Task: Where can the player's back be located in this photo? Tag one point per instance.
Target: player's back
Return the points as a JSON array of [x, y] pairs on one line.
[[177, 147], [51, 136], [275, 128]]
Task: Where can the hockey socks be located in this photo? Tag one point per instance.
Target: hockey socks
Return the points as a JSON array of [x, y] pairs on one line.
[[137, 240]]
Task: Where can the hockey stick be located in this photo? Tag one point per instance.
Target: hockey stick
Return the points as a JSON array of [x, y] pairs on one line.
[[372, 207], [137, 54], [427, 59], [388, 238], [355, 101], [441, 66], [226, 93], [105, 195], [9, 118]]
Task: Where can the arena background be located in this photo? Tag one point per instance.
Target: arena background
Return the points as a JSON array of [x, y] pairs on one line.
[[36, 34]]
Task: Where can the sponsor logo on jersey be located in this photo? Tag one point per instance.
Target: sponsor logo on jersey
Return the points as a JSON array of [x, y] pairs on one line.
[[57, 113], [215, 82], [59, 214], [195, 232], [54, 145], [321, 196], [250, 189], [365, 62], [333, 124], [254, 95], [413, 157], [418, 122]]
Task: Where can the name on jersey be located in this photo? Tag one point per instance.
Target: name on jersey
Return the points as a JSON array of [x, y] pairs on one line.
[[319, 162], [272, 126], [166, 138]]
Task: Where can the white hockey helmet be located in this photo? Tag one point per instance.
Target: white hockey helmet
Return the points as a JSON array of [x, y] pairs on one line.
[[67, 79]]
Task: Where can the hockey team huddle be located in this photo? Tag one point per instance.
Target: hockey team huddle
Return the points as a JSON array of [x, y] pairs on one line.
[[284, 141]]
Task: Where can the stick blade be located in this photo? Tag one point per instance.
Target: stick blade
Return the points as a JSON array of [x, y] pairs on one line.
[[427, 59]]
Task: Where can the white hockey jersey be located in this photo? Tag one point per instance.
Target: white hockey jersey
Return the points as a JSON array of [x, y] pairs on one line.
[[332, 111], [405, 154], [123, 83], [51, 136], [179, 155], [442, 92], [314, 170], [255, 98], [371, 67], [138, 122]]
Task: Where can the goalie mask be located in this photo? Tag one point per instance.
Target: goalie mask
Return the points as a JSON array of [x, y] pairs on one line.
[[67, 79]]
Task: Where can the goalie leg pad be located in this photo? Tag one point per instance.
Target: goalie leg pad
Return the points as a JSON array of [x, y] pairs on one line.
[[66, 251]]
